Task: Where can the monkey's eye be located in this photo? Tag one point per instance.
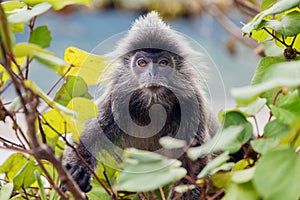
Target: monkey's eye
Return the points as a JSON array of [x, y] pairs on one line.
[[141, 62], [163, 62]]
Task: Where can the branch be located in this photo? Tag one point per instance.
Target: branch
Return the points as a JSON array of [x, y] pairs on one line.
[[227, 24], [110, 192], [30, 103]]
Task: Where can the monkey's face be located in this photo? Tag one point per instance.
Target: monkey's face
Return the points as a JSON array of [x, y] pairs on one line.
[[152, 68]]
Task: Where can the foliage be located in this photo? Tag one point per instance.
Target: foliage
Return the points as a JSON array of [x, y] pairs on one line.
[[269, 169]]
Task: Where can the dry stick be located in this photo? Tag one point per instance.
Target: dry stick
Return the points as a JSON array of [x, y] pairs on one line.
[[108, 182], [44, 151], [13, 148], [50, 180], [12, 57], [273, 103], [163, 197], [82, 160], [141, 196], [43, 135], [28, 60], [227, 24], [249, 6], [10, 142], [18, 128], [217, 195]]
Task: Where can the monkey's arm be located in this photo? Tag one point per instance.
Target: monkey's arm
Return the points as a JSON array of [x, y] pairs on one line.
[[88, 149]]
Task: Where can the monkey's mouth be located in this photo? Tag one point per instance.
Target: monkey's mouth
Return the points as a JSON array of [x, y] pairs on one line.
[[152, 85]]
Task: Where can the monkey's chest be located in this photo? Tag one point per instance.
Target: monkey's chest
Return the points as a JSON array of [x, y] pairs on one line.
[[144, 127]]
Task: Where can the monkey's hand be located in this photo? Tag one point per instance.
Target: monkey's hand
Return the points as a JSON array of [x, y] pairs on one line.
[[77, 169], [81, 175]]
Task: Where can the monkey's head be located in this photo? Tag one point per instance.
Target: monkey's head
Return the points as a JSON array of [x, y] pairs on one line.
[[155, 65], [152, 57]]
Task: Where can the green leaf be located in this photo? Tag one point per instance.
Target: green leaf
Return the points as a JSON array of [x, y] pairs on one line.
[[51, 61], [263, 145], [265, 4], [12, 165], [61, 112], [285, 116], [28, 49], [264, 65], [275, 129], [141, 166], [168, 142], [287, 109], [279, 75], [223, 140], [25, 176], [282, 167], [287, 26], [242, 164], [211, 167], [57, 5], [41, 36], [243, 176], [255, 107], [234, 118], [6, 191], [243, 191], [40, 184], [221, 179], [74, 86], [24, 16], [10, 7], [278, 7], [43, 56], [98, 193]]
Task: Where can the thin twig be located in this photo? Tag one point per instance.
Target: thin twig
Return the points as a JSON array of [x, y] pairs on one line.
[[50, 180], [162, 194], [274, 102], [274, 36], [61, 78], [141, 196], [294, 39], [227, 24], [81, 159], [217, 195]]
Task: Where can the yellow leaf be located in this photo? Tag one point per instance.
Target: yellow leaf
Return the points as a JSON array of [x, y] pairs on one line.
[[88, 66], [62, 112], [85, 110], [5, 76], [28, 49]]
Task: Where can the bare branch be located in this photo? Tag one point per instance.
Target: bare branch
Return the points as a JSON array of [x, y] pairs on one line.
[[228, 25]]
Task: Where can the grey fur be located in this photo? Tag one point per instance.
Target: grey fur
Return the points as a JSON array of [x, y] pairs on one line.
[[127, 109]]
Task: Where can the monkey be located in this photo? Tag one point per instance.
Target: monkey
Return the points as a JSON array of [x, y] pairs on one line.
[[153, 89]]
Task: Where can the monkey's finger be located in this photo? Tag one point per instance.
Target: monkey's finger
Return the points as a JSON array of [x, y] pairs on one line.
[[84, 184], [63, 187], [73, 169], [78, 174]]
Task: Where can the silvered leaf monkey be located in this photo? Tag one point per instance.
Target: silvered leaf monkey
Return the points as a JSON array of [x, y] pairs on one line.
[[153, 89]]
